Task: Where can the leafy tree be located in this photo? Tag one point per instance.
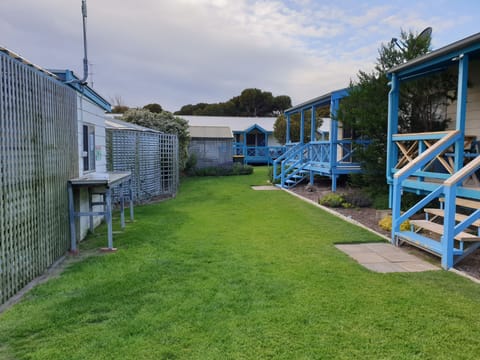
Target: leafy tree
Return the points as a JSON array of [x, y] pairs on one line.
[[165, 122], [281, 103], [280, 126], [154, 108], [251, 102], [365, 110]]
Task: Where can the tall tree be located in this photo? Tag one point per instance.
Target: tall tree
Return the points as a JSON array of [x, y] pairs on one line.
[[365, 110], [154, 108], [251, 102]]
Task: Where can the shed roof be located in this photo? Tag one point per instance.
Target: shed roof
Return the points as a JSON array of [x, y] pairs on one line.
[[236, 123], [116, 124], [211, 132]]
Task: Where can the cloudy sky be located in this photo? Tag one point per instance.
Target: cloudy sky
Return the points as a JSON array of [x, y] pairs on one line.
[[177, 52]]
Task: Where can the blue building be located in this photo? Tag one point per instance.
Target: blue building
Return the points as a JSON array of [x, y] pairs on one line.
[[442, 167], [253, 141], [330, 152]]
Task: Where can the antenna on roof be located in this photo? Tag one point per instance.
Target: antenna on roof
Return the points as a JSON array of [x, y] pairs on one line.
[[85, 57], [424, 34]]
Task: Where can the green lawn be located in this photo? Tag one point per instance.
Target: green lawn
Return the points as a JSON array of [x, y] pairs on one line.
[[225, 272]]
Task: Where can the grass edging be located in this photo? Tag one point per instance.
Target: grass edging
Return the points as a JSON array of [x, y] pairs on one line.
[[341, 216], [355, 222]]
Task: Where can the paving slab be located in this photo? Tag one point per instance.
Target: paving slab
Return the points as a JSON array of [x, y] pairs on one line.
[[265, 187], [385, 267], [385, 258]]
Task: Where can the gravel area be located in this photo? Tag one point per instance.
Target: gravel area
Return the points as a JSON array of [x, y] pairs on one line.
[[370, 218]]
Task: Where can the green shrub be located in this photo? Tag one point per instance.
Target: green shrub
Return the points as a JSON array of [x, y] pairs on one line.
[[236, 169], [386, 224], [358, 199], [332, 200]]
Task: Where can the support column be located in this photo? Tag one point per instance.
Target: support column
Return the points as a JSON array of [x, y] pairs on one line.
[[108, 218], [90, 208], [122, 206], [392, 151], [333, 134], [461, 110], [448, 226], [302, 127], [287, 129], [313, 125], [71, 217]]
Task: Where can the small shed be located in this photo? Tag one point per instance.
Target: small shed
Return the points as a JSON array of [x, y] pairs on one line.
[[150, 155], [212, 145]]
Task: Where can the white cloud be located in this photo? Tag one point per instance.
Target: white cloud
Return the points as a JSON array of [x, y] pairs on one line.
[[183, 51]]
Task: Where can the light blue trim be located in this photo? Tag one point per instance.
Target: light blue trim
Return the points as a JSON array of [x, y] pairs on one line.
[[392, 152], [461, 109], [287, 129], [302, 127], [68, 78], [313, 124]]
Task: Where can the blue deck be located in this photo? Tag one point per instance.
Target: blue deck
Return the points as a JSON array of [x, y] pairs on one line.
[[331, 158]]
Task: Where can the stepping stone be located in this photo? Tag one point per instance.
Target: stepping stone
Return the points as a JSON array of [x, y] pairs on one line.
[[385, 258], [265, 187]]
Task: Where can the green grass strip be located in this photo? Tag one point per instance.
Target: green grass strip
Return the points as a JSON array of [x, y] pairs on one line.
[[225, 272]]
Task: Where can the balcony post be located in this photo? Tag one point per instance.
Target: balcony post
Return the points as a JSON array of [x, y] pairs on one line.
[[287, 129], [461, 110], [392, 151]]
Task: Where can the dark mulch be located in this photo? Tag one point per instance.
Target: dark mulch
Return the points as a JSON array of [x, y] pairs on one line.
[[370, 218]]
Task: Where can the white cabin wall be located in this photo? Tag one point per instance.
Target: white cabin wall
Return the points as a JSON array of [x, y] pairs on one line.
[[91, 114], [472, 125]]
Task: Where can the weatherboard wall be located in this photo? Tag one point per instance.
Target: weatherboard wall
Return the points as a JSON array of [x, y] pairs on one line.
[[472, 124]]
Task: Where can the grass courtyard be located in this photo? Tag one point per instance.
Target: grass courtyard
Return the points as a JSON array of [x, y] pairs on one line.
[[225, 272]]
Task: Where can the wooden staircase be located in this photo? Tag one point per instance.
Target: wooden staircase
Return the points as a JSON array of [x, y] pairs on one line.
[[427, 232]]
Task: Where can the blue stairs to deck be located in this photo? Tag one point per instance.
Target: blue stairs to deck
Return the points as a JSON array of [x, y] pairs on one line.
[[294, 178], [428, 233]]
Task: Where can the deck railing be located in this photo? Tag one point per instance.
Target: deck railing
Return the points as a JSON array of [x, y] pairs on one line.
[[258, 153], [449, 189], [315, 154]]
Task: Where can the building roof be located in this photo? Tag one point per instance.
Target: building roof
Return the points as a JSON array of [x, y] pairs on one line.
[[68, 77], [26, 62], [65, 76], [116, 124], [444, 55], [236, 123], [318, 101], [211, 132]]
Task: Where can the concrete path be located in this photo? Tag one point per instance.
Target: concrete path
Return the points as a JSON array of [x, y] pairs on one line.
[[385, 258]]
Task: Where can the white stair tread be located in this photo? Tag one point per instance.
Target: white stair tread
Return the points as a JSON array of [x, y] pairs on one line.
[[438, 229], [458, 217]]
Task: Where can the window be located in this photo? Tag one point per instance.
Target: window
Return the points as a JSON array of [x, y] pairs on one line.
[[88, 153]]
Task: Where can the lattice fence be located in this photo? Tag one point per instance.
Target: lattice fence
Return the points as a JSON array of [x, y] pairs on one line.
[[152, 158], [37, 155]]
